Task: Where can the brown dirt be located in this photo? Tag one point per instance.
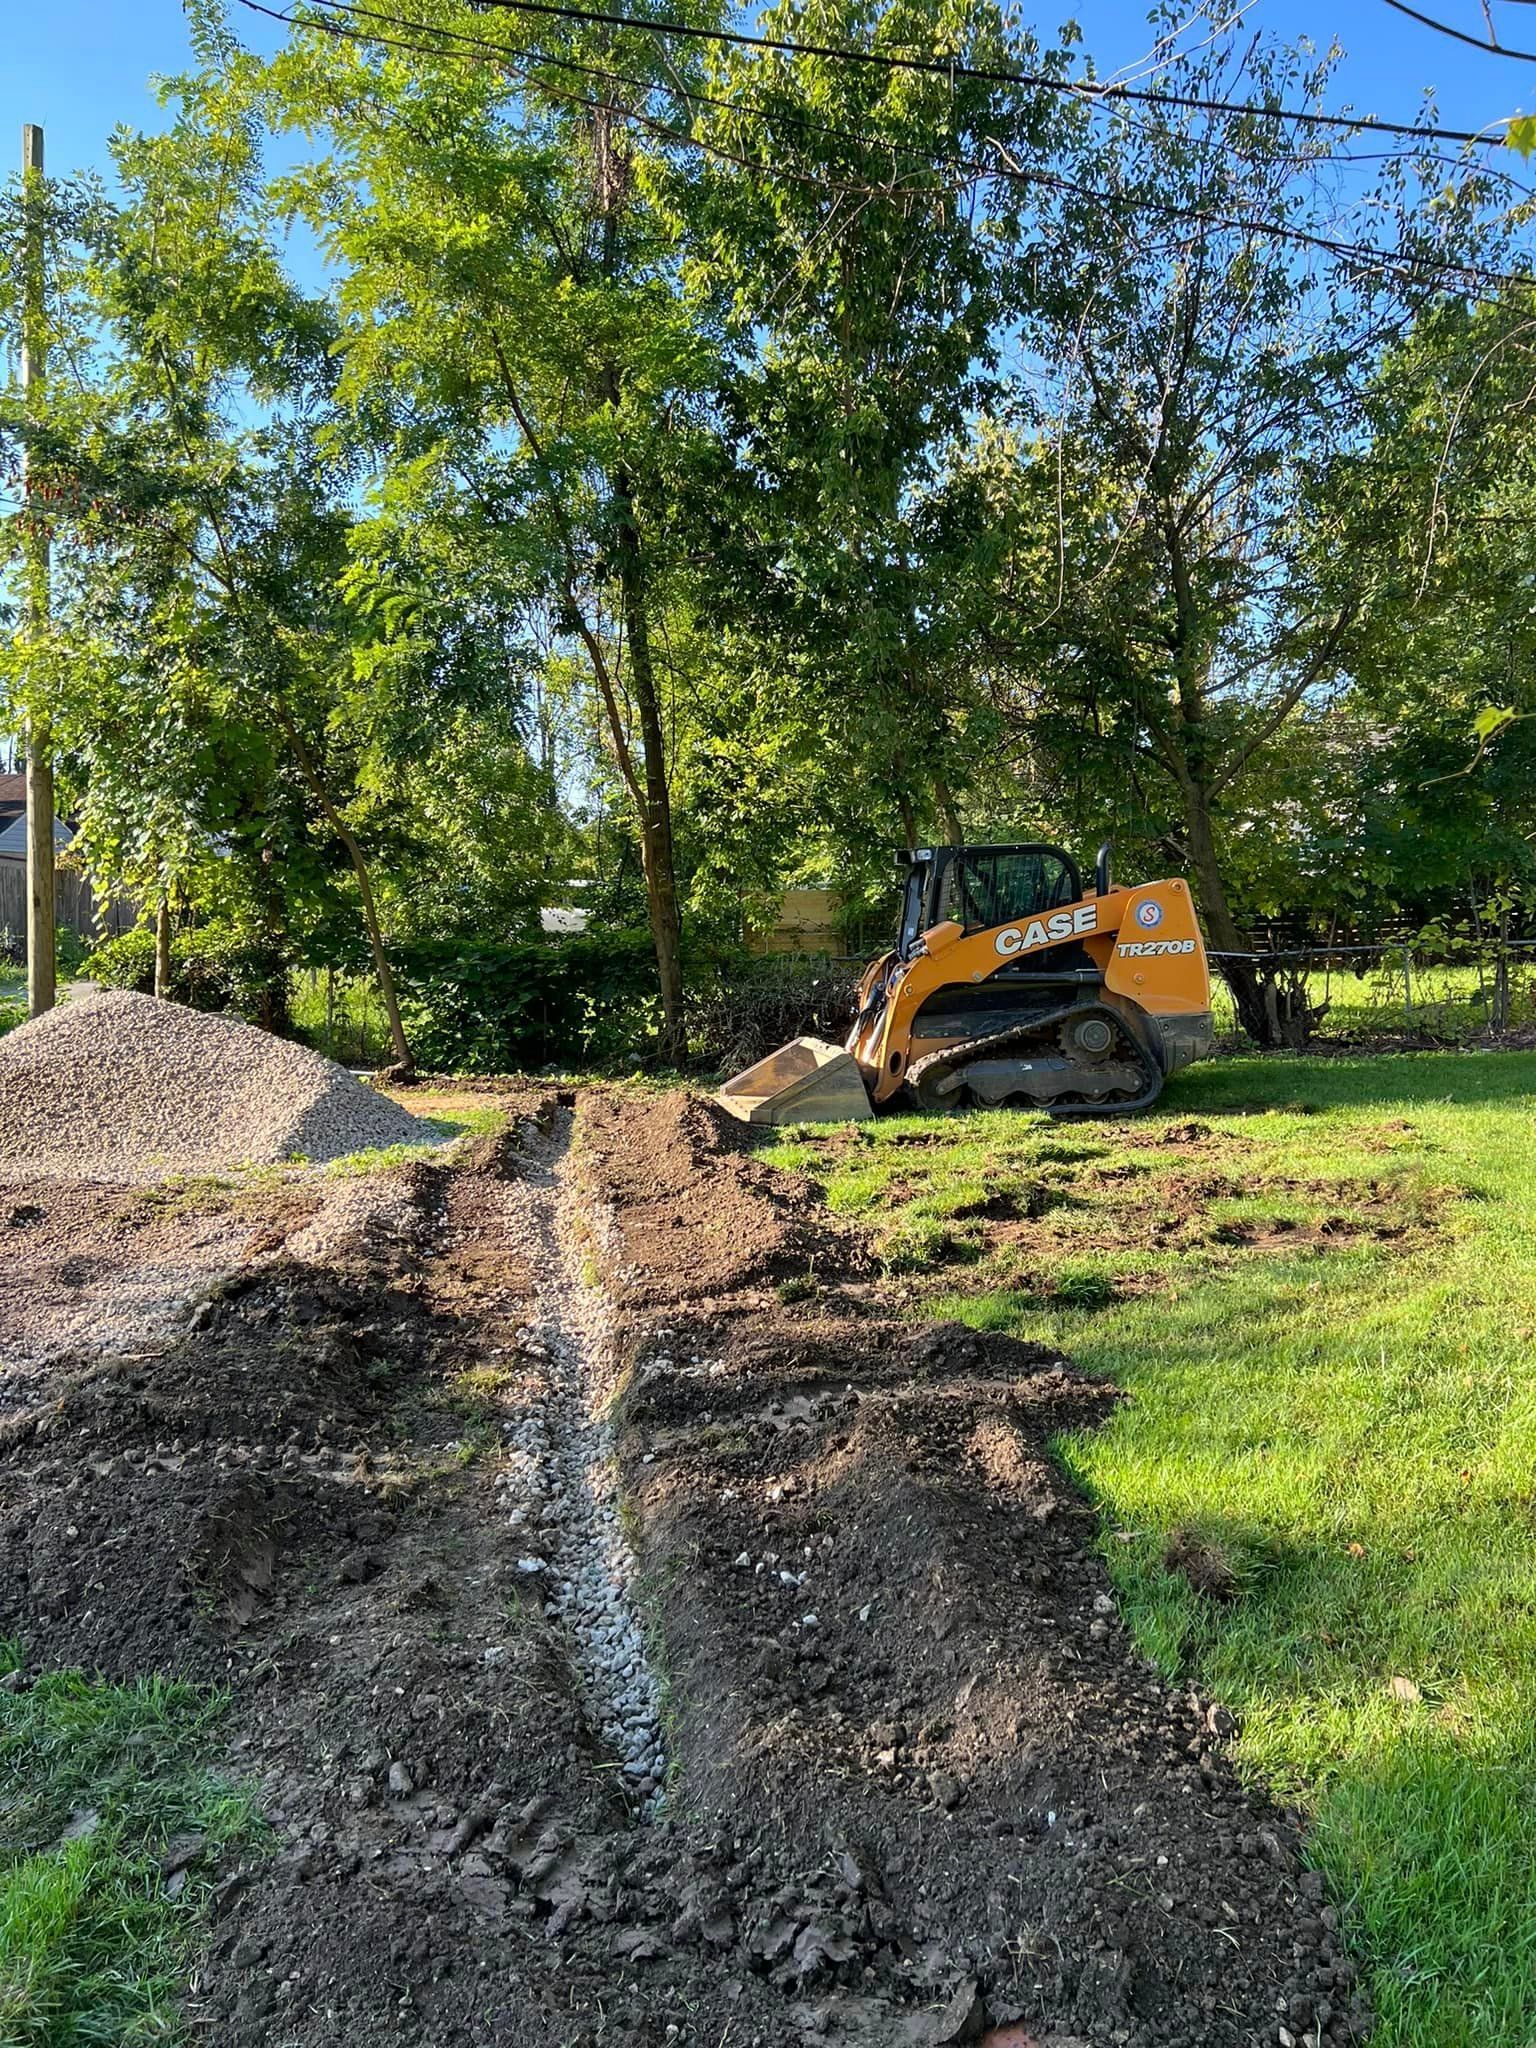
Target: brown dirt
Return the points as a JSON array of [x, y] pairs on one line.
[[702, 1215], [925, 1785]]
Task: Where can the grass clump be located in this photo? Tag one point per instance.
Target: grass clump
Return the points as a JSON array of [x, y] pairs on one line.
[[97, 1782], [1320, 1501]]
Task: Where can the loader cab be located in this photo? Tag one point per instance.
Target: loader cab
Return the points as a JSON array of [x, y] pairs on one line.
[[981, 886]]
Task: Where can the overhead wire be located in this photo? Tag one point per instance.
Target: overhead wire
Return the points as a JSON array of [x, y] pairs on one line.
[[520, 67], [941, 66], [1007, 171], [501, 52], [1459, 35]]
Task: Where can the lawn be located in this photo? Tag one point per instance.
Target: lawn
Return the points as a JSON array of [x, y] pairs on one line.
[[1317, 1282], [1367, 997], [111, 1826]]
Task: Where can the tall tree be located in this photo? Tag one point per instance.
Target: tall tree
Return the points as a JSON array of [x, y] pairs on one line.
[[202, 629], [1205, 345], [515, 349], [867, 247]]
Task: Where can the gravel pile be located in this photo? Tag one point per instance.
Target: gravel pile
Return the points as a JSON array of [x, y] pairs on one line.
[[124, 1087]]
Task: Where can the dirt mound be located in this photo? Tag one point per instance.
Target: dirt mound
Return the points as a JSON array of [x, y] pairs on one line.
[[691, 1212], [888, 1630], [124, 1087]]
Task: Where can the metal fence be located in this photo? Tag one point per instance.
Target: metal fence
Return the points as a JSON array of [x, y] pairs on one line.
[[1453, 989]]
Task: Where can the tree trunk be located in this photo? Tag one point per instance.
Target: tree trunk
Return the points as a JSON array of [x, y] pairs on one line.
[[954, 831], [404, 1065], [656, 846], [1500, 1016], [908, 822], [163, 949], [383, 973], [1256, 1014]]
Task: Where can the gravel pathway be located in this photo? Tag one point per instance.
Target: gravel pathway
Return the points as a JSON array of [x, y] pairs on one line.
[[560, 1485]]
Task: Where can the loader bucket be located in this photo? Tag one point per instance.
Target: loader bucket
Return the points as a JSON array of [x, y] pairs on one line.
[[804, 1082]]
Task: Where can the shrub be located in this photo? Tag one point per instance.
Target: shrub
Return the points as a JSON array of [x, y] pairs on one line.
[[591, 999], [214, 966], [486, 1008], [70, 952]]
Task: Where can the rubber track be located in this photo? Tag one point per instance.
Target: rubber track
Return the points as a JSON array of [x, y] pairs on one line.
[[1020, 1034]]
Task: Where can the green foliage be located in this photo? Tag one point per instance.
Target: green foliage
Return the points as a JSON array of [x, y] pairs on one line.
[[95, 1780], [216, 966], [494, 1009], [70, 952], [864, 339]]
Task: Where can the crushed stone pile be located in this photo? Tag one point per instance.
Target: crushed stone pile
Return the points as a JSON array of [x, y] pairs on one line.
[[126, 1087]]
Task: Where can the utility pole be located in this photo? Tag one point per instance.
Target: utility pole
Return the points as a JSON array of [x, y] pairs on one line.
[[34, 368]]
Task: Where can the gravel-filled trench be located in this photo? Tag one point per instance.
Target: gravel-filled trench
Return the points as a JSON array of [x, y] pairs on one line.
[[560, 1483]]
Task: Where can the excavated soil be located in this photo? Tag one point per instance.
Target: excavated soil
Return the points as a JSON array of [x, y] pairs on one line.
[[920, 1784]]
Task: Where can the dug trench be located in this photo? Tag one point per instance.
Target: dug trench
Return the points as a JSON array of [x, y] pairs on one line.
[[622, 1653]]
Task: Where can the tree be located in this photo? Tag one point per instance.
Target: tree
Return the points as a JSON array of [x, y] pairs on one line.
[[220, 673], [1202, 356], [1439, 494], [516, 354], [853, 224]]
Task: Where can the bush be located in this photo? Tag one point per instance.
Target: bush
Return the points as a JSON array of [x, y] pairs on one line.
[[214, 966], [484, 1008], [591, 1000], [70, 952]]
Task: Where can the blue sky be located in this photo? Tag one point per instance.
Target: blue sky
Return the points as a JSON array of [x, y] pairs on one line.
[[83, 66]]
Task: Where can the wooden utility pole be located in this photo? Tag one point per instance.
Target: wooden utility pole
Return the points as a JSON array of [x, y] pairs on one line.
[[41, 938]]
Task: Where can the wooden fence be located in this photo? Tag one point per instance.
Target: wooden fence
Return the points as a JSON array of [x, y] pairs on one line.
[[75, 906]]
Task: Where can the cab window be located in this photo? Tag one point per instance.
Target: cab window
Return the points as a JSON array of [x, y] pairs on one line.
[[991, 886]]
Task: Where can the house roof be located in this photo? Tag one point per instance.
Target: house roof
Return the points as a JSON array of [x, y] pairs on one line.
[[13, 838], [13, 797]]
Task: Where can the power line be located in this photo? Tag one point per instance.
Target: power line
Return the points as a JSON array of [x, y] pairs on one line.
[[945, 67], [1459, 35], [519, 62], [519, 67], [798, 118]]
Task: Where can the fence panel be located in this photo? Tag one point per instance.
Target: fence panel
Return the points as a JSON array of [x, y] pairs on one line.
[[74, 905], [1452, 992]]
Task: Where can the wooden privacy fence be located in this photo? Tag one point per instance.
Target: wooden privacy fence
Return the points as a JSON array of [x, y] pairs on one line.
[[76, 907]]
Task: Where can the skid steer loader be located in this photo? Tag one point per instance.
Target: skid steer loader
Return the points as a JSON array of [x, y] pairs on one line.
[[1007, 983]]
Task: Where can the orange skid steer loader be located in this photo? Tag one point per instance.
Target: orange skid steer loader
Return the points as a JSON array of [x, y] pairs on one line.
[[1007, 983]]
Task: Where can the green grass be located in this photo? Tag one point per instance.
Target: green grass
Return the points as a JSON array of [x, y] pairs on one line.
[[471, 1121], [95, 1781], [1348, 1421], [13, 998], [1452, 1002]]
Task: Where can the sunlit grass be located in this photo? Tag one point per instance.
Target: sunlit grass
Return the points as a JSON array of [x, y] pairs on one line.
[[96, 1781], [1351, 1426]]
